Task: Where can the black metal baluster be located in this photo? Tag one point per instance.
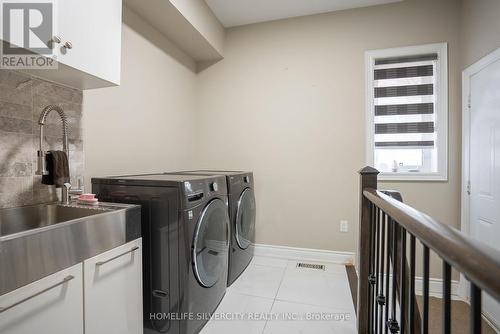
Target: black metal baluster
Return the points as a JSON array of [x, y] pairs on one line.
[[425, 315], [446, 298], [402, 292], [370, 296], [475, 309], [393, 322], [381, 297], [387, 272], [377, 263], [411, 330]]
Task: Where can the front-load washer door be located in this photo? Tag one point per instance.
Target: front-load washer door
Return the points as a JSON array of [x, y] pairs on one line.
[[211, 243], [245, 219]]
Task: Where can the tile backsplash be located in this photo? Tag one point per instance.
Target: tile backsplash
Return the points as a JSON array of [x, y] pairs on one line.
[[22, 98]]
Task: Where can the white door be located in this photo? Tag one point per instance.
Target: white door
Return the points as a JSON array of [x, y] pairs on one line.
[[484, 163], [113, 291], [93, 27], [53, 304]]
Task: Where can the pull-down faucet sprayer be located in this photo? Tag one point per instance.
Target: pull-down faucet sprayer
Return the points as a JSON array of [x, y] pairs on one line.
[[41, 155], [42, 168]]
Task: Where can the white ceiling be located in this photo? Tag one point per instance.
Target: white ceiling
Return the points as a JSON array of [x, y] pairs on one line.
[[239, 12]]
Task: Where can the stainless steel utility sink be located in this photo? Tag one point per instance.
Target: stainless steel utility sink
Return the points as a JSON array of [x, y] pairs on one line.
[[21, 219], [38, 240]]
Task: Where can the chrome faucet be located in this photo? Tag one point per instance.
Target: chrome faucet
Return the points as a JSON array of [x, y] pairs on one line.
[[41, 155], [65, 193], [42, 168]]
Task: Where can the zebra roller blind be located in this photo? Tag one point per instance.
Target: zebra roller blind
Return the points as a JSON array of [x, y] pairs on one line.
[[405, 102]]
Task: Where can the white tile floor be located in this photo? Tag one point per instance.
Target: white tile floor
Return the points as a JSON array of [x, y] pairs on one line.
[[273, 296]]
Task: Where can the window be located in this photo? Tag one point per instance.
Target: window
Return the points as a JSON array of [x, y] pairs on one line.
[[407, 112]]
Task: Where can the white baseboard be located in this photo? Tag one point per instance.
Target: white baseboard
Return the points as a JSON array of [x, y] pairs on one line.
[[436, 288], [304, 254]]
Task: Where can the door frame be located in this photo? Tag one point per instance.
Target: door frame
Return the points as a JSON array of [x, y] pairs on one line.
[[466, 124]]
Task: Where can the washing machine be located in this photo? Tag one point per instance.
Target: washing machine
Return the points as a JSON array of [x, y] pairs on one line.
[[186, 235], [242, 213]]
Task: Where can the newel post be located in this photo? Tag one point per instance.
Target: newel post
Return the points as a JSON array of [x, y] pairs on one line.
[[368, 179]]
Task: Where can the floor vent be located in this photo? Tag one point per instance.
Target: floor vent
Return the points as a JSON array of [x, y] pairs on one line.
[[311, 266]]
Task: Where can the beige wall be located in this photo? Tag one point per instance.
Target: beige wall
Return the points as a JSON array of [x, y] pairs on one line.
[[480, 29], [147, 123], [290, 98]]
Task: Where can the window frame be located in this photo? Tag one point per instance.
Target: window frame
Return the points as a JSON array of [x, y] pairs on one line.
[[441, 108]]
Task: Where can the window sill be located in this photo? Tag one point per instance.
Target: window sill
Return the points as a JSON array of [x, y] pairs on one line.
[[412, 177]]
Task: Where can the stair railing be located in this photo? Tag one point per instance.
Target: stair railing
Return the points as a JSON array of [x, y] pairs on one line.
[[386, 300]]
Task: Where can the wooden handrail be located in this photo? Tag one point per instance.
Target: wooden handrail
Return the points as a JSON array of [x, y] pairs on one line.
[[477, 261]]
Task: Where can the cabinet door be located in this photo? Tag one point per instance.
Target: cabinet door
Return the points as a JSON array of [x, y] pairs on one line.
[[93, 27], [113, 291], [53, 304]]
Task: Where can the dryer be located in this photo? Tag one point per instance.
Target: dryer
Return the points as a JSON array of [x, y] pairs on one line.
[[185, 226], [242, 214]]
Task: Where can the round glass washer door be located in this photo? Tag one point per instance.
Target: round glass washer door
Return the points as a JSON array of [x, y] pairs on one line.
[[211, 243], [245, 219]]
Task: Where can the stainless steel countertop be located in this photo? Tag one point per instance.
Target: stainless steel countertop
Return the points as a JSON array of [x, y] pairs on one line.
[[30, 253]]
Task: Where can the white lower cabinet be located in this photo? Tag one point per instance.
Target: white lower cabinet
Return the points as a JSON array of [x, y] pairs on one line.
[[53, 304], [102, 295], [113, 291]]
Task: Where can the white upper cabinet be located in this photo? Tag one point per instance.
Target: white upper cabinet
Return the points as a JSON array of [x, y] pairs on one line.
[[86, 43], [93, 27]]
